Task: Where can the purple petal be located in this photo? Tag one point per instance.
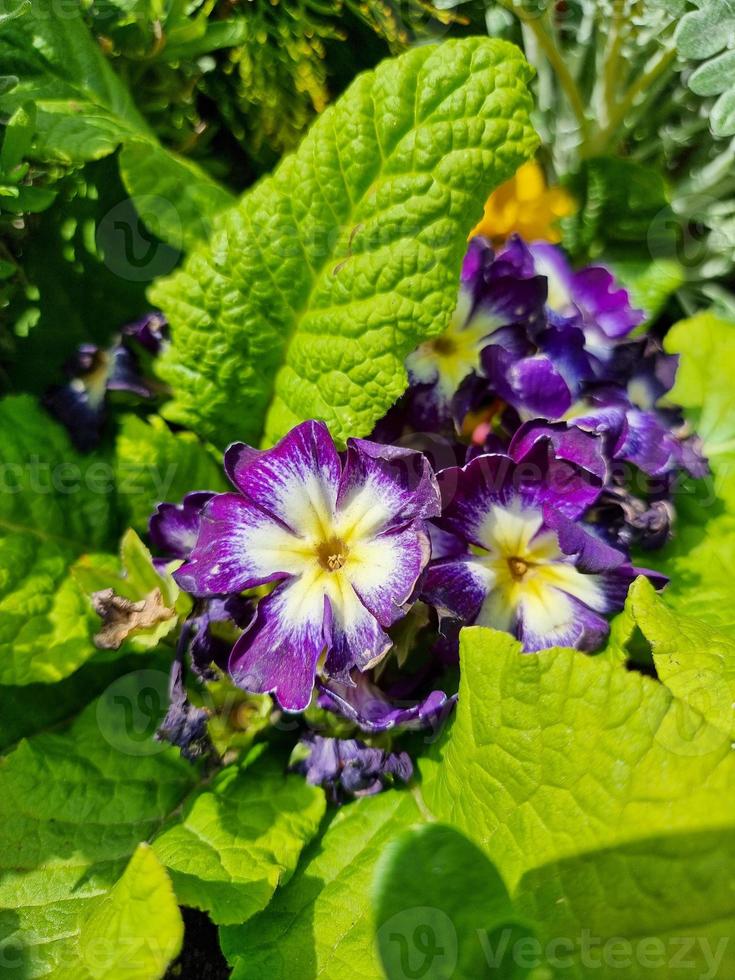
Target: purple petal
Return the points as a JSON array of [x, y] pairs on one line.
[[150, 331], [387, 486], [590, 553], [584, 629], [239, 546], [532, 385], [357, 638], [457, 587], [367, 706], [386, 570], [174, 528], [238, 456], [296, 481], [278, 653]]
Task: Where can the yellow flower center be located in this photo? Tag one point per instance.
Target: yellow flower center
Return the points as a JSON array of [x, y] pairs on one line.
[[332, 554]]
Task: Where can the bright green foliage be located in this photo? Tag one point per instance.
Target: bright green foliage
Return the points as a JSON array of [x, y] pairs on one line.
[[155, 465], [55, 506], [320, 924], [706, 345], [700, 558], [435, 895], [696, 662], [73, 809], [323, 278], [84, 113], [135, 930], [240, 838], [701, 35], [558, 754], [658, 908]]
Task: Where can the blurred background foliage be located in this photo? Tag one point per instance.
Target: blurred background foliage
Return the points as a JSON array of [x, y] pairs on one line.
[[636, 110]]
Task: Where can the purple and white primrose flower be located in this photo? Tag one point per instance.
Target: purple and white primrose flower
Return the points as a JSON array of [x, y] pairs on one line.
[[531, 568], [496, 291], [344, 543], [80, 404]]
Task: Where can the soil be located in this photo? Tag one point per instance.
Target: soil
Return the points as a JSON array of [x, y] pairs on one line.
[[201, 958]]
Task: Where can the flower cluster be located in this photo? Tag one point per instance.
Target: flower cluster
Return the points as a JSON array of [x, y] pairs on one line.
[[349, 574]]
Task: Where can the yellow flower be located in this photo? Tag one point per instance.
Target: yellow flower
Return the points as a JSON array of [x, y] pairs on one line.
[[524, 204]]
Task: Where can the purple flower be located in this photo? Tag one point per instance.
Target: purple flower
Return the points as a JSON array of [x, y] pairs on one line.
[[534, 570], [370, 709], [496, 291], [184, 726], [174, 528], [80, 405], [590, 296], [150, 331], [344, 543], [347, 767]]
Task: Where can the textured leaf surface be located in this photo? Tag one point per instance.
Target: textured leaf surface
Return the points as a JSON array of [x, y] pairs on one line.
[[326, 275], [423, 916], [55, 505], [154, 465], [554, 755], [695, 661], [135, 930], [73, 808], [240, 839], [661, 907], [320, 925]]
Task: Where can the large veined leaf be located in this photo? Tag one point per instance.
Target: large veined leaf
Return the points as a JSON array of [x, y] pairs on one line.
[[134, 931], [84, 112], [73, 809], [55, 506], [557, 754], [589, 787], [239, 839], [695, 661], [154, 464], [315, 287], [320, 924], [424, 919]]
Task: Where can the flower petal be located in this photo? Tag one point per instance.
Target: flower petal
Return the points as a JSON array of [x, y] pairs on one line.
[[384, 570], [173, 528], [296, 481], [457, 587], [240, 546], [562, 621], [384, 487], [367, 706], [278, 653], [357, 638]]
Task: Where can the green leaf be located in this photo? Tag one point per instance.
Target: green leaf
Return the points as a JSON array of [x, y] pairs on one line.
[[696, 662], [320, 925], [240, 839], [702, 34], [135, 930], [326, 275], [558, 754], [154, 464], [55, 506], [650, 283], [73, 809], [708, 394], [657, 908], [425, 922], [84, 112]]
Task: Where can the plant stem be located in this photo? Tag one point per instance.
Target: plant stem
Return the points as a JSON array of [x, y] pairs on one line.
[[555, 58], [645, 81]]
